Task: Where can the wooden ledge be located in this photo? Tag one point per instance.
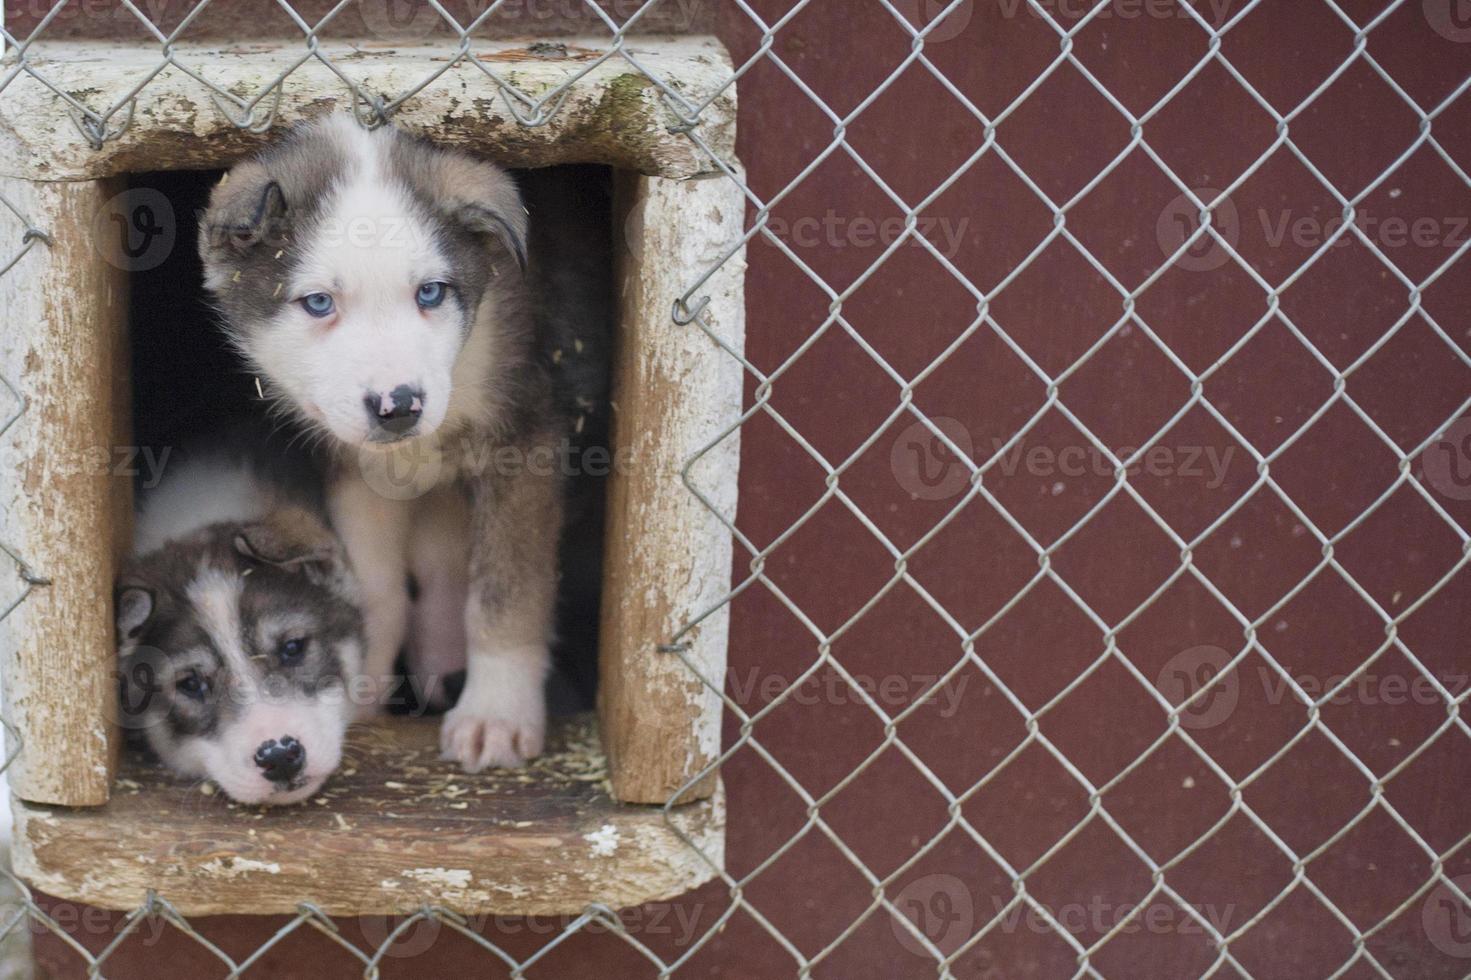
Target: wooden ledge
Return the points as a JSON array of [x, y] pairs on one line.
[[613, 115], [394, 829]]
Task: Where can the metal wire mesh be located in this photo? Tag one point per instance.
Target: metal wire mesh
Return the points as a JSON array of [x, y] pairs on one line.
[[1207, 230]]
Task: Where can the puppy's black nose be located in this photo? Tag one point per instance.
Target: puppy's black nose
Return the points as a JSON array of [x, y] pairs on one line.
[[398, 412], [280, 762]]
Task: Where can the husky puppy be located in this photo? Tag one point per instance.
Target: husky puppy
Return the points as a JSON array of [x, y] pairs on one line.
[[237, 630], [376, 285]]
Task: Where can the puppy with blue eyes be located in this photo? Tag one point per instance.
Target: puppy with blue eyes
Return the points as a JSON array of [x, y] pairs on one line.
[[377, 285], [238, 632]]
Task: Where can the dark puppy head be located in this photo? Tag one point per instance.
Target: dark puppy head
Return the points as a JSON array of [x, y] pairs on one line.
[[234, 644], [360, 274]]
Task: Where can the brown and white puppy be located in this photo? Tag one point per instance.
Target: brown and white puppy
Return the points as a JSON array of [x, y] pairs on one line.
[[238, 633], [376, 285]]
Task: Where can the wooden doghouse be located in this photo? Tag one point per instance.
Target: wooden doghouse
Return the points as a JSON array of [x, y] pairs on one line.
[[609, 814]]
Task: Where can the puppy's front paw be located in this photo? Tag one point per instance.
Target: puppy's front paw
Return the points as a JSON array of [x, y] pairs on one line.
[[501, 717], [476, 742]]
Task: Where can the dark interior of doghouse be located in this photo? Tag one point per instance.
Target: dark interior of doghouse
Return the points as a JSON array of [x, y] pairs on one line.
[[187, 383]]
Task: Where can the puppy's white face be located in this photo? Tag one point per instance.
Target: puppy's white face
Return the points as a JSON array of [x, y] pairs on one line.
[[235, 668], [353, 268], [368, 339]]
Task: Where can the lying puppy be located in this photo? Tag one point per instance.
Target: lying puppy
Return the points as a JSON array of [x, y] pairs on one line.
[[237, 627], [375, 283]]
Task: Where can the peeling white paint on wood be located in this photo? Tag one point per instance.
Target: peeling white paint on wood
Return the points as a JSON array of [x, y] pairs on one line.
[[443, 877], [62, 511], [668, 556], [603, 841], [407, 846], [231, 867], [613, 115]]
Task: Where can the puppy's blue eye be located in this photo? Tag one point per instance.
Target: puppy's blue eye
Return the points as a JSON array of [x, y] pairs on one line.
[[431, 294], [193, 685], [292, 651], [318, 304]]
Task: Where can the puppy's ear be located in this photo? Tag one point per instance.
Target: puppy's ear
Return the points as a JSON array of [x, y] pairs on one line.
[[134, 605], [289, 538], [247, 208], [488, 222], [478, 196]]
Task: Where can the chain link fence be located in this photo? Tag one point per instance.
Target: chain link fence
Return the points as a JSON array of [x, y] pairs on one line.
[[936, 460]]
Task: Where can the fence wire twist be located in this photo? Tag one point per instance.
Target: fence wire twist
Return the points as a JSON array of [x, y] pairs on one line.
[[100, 123]]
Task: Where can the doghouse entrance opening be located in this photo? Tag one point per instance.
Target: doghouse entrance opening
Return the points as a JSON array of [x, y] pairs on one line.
[[188, 384]]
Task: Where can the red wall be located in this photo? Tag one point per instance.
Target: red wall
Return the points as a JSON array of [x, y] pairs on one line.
[[1297, 788]]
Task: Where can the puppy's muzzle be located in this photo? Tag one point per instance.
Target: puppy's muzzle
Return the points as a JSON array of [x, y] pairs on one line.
[[282, 761]]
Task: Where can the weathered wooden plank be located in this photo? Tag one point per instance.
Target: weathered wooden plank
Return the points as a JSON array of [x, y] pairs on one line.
[[614, 115], [64, 502], [396, 828], [255, 19], [668, 556]]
